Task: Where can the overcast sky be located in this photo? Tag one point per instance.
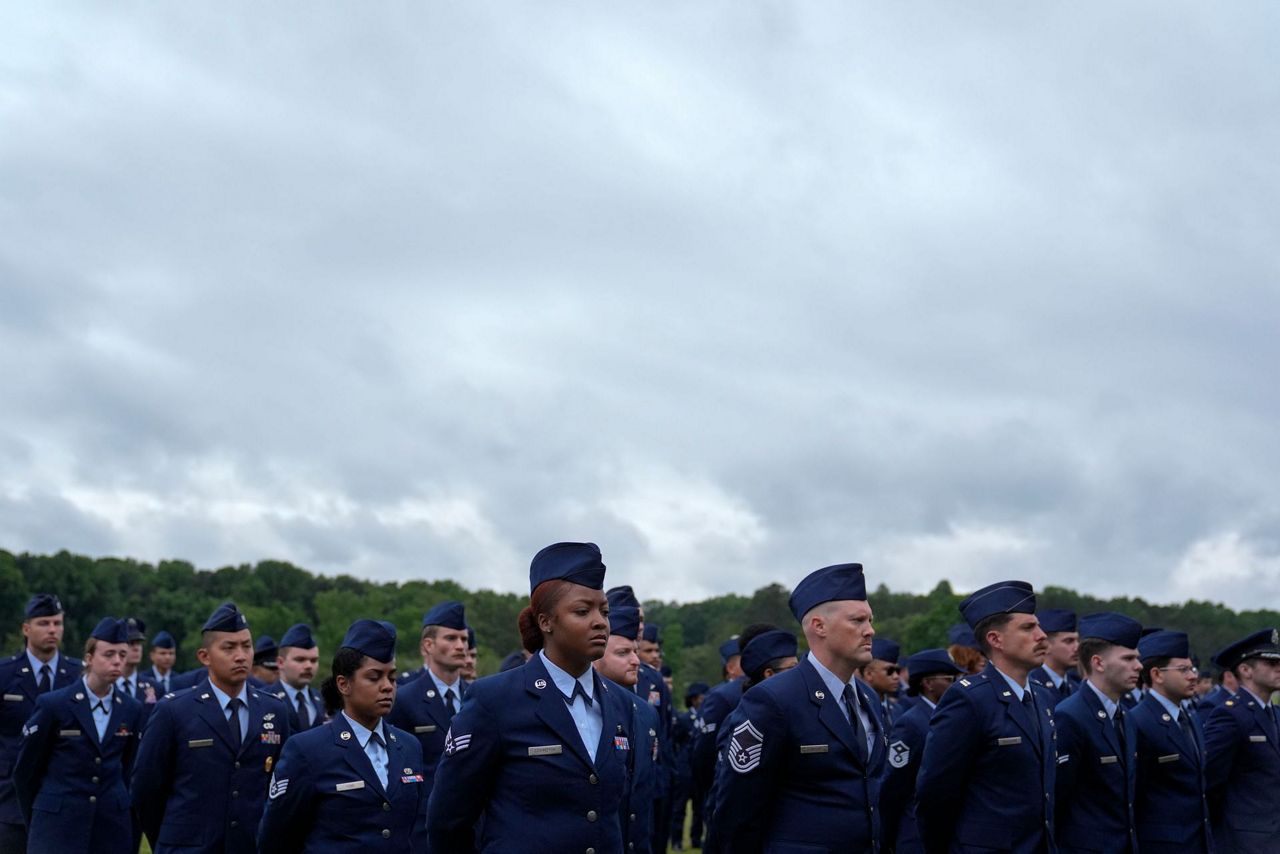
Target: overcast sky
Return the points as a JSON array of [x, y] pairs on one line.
[[734, 290]]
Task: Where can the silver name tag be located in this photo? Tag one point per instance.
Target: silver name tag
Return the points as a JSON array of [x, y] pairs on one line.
[[431, 728], [1257, 738], [547, 750], [1108, 760], [814, 748], [14, 698], [200, 742], [1009, 742], [69, 733], [347, 787], [1172, 757]]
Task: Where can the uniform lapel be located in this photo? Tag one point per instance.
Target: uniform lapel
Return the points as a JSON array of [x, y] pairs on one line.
[[255, 720], [552, 710], [354, 754], [433, 701], [829, 709], [881, 726], [1106, 727], [212, 713], [1014, 709], [83, 710], [395, 764], [611, 726], [1263, 720]]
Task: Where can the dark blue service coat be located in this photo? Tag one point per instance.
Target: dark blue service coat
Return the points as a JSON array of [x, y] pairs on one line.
[[325, 797], [192, 791], [1172, 810], [987, 777], [513, 757], [71, 787], [419, 709], [18, 694], [1042, 678], [898, 792], [1096, 777], [1244, 775], [791, 777]]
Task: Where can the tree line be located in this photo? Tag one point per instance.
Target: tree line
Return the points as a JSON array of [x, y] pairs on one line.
[[176, 596]]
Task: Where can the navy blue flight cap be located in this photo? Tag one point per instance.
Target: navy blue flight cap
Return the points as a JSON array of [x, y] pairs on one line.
[[962, 635], [651, 632], [299, 635], [624, 622], [164, 640], [1054, 620], [1003, 597], [447, 614], [883, 649], [1112, 628], [43, 605], [696, 689], [579, 563], [137, 629], [829, 584], [665, 670], [622, 596], [929, 662], [766, 647], [226, 618], [471, 638], [111, 630], [511, 662], [1262, 644], [729, 649], [1164, 644], [373, 638]]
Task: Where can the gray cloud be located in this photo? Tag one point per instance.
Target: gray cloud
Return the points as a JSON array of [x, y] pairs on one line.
[[734, 292]]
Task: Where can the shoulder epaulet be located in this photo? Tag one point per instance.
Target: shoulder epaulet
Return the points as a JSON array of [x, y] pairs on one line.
[[970, 681]]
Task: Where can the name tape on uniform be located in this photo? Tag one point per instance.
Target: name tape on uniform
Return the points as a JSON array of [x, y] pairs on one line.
[[547, 750], [349, 787]]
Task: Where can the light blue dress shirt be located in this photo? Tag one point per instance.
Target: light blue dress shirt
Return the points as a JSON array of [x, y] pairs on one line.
[[588, 719], [36, 664], [836, 688], [101, 709], [375, 750], [1109, 705], [445, 688], [1018, 690], [293, 693], [224, 698]]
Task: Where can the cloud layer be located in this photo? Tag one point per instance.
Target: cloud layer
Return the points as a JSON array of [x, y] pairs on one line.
[[735, 292]]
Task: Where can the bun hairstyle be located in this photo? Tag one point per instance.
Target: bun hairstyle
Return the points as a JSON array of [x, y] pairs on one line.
[[543, 600], [346, 661]]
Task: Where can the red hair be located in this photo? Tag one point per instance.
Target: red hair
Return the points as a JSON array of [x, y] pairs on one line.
[[543, 600]]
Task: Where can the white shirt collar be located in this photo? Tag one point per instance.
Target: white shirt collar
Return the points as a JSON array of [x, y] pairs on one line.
[[224, 697], [564, 680], [363, 734]]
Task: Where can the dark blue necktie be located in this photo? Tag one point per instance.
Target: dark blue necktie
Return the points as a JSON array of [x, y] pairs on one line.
[[850, 698], [578, 692], [46, 679]]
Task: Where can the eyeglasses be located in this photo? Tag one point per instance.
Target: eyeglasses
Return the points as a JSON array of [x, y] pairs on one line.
[[892, 670], [1185, 669]]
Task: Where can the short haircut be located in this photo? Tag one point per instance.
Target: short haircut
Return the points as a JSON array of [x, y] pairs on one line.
[[430, 632], [1153, 663], [1089, 647], [996, 622]]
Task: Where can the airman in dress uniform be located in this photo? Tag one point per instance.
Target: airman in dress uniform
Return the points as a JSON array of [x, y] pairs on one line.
[[38, 669], [932, 673], [164, 652], [200, 780], [425, 705], [882, 675], [542, 753], [620, 664], [1172, 812], [266, 670], [991, 751], [1059, 673], [473, 654], [683, 792], [802, 766], [296, 663], [1098, 744], [355, 783], [77, 753], [1243, 744]]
